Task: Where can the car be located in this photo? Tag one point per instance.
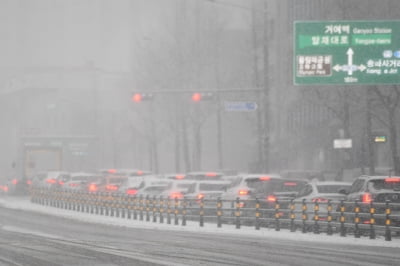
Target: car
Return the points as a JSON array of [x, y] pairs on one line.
[[79, 180], [207, 192], [201, 175], [132, 184], [108, 183], [376, 190], [153, 188], [321, 192], [266, 189], [16, 186], [174, 176], [211, 189], [251, 186], [124, 172], [50, 179], [179, 189]]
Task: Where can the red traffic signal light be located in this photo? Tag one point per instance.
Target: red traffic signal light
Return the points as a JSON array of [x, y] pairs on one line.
[[197, 96], [138, 97]]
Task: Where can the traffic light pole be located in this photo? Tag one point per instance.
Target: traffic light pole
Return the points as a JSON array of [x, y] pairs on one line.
[[267, 106]]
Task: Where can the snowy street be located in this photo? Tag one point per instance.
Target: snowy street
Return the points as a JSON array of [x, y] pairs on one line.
[[72, 238]]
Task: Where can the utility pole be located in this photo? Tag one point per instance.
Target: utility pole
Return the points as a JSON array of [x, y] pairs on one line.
[[371, 147], [267, 106], [260, 157]]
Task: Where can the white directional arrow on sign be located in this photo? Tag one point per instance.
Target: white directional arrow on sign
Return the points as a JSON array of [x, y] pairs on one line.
[[362, 67], [350, 53], [349, 68], [337, 68]]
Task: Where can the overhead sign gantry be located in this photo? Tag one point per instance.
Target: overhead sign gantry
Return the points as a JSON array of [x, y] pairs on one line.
[[347, 52]]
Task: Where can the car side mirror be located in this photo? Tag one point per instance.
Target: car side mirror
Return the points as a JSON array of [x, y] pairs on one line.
[[343, 191]]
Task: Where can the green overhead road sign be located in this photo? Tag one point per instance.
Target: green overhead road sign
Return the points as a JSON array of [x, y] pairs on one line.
[[347, 52]]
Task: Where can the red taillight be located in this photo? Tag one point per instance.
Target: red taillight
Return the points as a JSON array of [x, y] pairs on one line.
[[93, 188], [243, 192], [271, 198], [392, 179], [29, 182], [14, 181], [112, 171], [242, 204], [319, 200], [60, 182], [73, 184], [366, 198], [131, 191], [180, 177], [139, 172], [290, 184], [265, 178], [112, 187], [200, 196], [176, 195], [51, 181], [5, 188], [211, 174]]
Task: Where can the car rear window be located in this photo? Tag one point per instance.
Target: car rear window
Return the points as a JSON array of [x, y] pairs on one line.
[[265, 186], [155, 189], [290, 186], [118, 180], [331, 188], [212, 187], [381, 184], [205, 176], [181, 185], [84, 178]]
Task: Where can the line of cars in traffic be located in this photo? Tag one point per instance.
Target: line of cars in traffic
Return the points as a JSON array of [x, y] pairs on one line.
[[244, 191]]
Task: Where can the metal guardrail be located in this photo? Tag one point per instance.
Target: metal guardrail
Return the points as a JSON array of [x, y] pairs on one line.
[[356, 218]]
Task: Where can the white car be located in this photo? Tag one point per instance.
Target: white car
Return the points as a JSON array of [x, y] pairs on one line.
[[321, 192], [154, 188], [50, 179], [79, 180], [208, 190], [251, 186], [179, 189], [138, 185]]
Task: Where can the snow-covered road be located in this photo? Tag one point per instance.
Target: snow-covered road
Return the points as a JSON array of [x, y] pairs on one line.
[[85, 238]]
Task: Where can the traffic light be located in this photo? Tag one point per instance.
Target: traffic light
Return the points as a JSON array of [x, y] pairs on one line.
[[202, 96], [139, 97]]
